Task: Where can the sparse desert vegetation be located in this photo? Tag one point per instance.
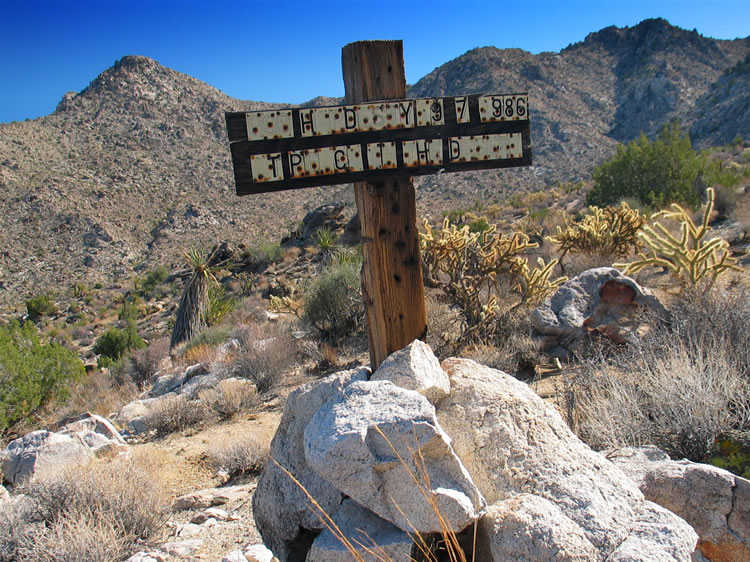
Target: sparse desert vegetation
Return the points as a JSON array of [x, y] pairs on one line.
[[193, 355]]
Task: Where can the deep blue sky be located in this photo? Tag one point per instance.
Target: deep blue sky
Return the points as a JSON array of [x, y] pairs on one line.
[[290, 51]]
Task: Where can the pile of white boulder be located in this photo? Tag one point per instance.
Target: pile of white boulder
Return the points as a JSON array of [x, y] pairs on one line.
[[383, 454]]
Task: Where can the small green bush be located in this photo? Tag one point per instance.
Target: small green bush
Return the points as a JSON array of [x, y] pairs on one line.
[[264, 252], [333, 303], [152, 281], [129, 311], [116, 343], [656, 173], [32, 372], [41, 306]]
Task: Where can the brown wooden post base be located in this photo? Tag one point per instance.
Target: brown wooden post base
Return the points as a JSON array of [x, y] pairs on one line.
[[392, 285]]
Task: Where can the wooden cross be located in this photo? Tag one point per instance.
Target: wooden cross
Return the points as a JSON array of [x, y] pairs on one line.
[[379, 140]]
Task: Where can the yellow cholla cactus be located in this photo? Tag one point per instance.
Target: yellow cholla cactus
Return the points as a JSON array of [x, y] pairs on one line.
[[286, 305], [535, 284], [608, 230], [468, 267], [690, 258]]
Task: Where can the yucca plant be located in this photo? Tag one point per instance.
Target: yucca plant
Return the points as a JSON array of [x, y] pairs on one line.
[[191, 312]]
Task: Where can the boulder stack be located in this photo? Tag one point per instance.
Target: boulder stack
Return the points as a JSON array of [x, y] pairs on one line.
[[367, 464]]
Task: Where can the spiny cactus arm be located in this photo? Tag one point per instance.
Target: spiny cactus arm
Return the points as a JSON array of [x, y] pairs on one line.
[[534, 285], [706, 213], [636, 266], [286, 305]]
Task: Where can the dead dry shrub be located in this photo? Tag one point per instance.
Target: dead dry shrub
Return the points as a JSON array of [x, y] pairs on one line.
[[230, 398], [199, 353], [144, 363], [443, 325], [17, 527], [578, 263], [512, 350], [679, 389], [266, 353], [715, 319], [76, 537], [176, 413], [238, 455], [98, 512], [98, 393]]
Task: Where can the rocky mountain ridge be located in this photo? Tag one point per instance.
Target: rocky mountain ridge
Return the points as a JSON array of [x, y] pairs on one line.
[[136, 167]]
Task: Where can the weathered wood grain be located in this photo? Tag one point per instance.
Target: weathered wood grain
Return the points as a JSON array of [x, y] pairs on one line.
[[392, 286]]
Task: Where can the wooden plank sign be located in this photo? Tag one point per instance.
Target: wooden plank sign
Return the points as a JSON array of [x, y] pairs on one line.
[[294, 148]]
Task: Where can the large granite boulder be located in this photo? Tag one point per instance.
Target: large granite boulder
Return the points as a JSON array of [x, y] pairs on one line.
[[366, 532], [512, 442], [715, 502], [599, 301], [97, 433], [528, 527], [40, 452], [283, 514], [381, 445], [415, 367]]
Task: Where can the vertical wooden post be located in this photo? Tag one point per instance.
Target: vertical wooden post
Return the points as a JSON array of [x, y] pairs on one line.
[[392, 286]]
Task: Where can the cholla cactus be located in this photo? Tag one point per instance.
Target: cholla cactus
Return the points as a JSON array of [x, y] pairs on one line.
[[534, 284], [690, 258], [468, 267], [608, 230], [286, 305]]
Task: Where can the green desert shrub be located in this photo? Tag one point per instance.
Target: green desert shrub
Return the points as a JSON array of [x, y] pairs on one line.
[[115, 343], [151, 284], [333, 302], [41, 306], [32, 372], [656, 173]]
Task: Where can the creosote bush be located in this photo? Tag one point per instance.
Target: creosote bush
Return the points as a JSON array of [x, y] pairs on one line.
[[41, 306], [32, 372], [115, 343], [332, 302], [655, 173]]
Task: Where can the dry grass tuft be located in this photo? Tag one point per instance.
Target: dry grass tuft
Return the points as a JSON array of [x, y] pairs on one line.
[[176, 413], [238, 455], [200, 353], [681, 388], [230, 398], [98, 512]]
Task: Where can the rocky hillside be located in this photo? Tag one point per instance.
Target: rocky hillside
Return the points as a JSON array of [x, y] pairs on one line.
[[137, 166]]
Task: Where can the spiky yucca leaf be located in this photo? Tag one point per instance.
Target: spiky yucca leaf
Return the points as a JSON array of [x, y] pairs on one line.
[[191, 312]]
